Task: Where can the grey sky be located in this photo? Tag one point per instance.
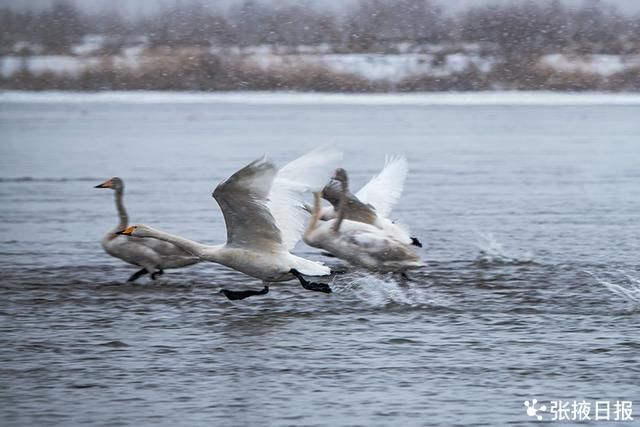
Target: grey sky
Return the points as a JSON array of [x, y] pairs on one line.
[[137, 7]]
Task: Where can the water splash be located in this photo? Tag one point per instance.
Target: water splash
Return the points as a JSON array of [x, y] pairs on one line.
[[628, 289], [492, 251], [381, 290]]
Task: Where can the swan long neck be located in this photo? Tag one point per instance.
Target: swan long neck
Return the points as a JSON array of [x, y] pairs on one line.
[[122, 212], [342, 205], [209, 253], [315, 213]]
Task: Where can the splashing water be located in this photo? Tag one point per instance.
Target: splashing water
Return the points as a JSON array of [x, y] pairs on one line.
[[630, 291], [382, 290], [492, 251]]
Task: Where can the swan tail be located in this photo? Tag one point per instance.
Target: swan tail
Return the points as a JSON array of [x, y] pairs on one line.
[[396, 230], [309, 268]]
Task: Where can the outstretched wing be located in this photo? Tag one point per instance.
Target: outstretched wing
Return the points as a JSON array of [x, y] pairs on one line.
[[286, 199], [385, 189], [243, 198]]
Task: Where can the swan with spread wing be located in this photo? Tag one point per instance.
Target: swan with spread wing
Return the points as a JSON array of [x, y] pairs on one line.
[[359, 243], [372, 204], [153, 255], [264, 216]]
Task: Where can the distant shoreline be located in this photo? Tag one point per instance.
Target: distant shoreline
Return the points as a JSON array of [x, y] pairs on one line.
[[478, 98]]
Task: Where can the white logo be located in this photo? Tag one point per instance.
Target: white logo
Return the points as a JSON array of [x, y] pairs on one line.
[[532, 411], [582, 410]]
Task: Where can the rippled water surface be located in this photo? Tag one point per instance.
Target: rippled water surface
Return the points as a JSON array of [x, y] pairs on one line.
[[529, 215]]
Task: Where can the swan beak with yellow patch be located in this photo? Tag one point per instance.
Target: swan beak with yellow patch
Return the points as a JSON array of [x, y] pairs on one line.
[[127, 231], [106, 184]]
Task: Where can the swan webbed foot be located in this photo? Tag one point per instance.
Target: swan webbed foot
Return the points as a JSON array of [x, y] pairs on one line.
[[135, 276], [157, 273], [237, 295], [416, 242], [405, 277], [318, 287], [311, 286]]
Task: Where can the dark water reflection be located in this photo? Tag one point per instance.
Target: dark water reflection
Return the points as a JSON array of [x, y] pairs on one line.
[[529, 215]]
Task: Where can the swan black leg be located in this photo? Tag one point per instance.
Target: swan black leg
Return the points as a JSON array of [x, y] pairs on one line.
[[236, 295], [405, 277], [135, 276], [311, 286], [416, 242], [157, 273]]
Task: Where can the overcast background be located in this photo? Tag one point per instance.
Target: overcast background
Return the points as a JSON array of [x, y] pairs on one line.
[[137, 7]]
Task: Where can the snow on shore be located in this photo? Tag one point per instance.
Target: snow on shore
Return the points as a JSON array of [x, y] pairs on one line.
[[391, 67], [294, 98]]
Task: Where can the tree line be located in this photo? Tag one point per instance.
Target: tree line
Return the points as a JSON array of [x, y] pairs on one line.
[[375, 26], [513, 35]]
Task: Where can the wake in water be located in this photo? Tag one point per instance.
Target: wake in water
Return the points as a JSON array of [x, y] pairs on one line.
[[381, 290], [492, 252], [628, 287]]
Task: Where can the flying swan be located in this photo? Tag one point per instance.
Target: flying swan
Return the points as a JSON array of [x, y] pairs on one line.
[[373, 203], [358, 243], [263, 212], [153, 255]]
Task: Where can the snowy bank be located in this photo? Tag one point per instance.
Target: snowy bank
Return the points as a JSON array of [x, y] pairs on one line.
[[506, 98]]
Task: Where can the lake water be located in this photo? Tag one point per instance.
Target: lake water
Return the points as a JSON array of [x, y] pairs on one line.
[[528, 209]]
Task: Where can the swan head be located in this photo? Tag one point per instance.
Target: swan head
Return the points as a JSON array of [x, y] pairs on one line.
[[114, 183], [136, 231]]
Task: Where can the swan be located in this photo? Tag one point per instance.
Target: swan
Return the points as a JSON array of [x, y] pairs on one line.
[[264, 216], [151, 254], [359, 243], [372, 204]]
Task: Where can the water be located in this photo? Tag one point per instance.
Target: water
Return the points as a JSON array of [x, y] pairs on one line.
[[529, 215]]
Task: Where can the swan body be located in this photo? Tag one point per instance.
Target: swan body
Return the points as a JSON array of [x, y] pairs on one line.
[[154, 256], [372, 204], [150, 255], [272, 266], [264, 216], [363, 245], [358, 243]]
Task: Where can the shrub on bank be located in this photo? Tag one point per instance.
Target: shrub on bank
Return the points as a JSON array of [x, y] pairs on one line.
[[199, 70]]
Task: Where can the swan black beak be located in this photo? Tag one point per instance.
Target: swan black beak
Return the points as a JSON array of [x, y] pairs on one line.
[[106, 184]]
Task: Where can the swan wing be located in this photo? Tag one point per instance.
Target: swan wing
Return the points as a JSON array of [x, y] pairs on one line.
[[243, 198], [385, 189], [354, 209], [305, 174]]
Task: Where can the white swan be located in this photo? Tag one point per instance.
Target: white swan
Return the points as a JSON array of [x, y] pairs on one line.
[[358, 243], [154, 256], [263, 211], [373, 203]]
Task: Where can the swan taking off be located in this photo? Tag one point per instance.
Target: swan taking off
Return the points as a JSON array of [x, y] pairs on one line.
[[358, 243], [263, 211], [373, 203], [152, 255]]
